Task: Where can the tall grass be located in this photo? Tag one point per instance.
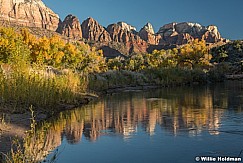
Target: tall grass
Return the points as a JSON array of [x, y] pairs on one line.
[[35, 86]]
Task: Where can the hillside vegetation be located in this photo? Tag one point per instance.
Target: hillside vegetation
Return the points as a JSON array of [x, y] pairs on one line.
[[230, 55]]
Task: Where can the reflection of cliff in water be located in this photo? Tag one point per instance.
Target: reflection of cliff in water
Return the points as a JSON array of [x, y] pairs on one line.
[[190, 110]]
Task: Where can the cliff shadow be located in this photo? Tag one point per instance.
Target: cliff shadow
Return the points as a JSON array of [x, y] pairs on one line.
[[111, 52]]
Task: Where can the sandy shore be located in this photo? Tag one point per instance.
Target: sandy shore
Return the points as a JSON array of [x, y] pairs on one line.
[[15, 125]]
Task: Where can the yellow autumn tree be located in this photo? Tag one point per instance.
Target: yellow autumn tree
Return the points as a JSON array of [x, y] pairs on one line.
[[136, 62], [71, 57], [56, 52], [28, 38], [194, 54], [162, 58], [12, 47], [93, 61], [115, 63]]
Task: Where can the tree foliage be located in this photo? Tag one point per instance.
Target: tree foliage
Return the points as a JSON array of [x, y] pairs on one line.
[[51, 51], [162, 58], [195, 54], [115, 63], [12, 47]]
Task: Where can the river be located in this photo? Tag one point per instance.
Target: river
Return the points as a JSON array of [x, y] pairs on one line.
[[159, 125]]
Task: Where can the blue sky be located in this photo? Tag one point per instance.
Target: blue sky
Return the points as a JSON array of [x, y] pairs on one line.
[[226, 14]]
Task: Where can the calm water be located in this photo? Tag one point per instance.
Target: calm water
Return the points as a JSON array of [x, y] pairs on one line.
[[163, 125]]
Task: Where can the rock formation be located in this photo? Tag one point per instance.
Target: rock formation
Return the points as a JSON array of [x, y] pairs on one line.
[[212, 35], [123, 37], [182, 33], [127, 27], [132, 42], [70, 27], [31, 13], [147, 34], [120, 37], [93, 31]]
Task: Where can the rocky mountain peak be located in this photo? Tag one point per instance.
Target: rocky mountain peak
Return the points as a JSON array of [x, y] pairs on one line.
[[167, 27], [212, 34], [147, 34], [31, 13], [130, 40], [149, 28], [90, 19], [181, 33], [191, 28], [214, 30], [93, 31], [70, 27], [120, 33], [127, 27]]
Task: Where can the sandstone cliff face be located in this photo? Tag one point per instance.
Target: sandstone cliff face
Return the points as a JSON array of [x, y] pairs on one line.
[[133, 43], [147, 34], [70, 27], [93, 31], [120, 37], [182, 33], [31, 13], [124, 38], [118, 34], [127, 27], [212, 35]]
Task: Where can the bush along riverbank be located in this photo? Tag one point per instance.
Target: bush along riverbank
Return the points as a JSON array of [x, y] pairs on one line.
[[171, 77]]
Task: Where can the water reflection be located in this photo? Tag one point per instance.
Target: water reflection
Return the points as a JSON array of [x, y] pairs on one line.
[[188, 110], [175, 110]]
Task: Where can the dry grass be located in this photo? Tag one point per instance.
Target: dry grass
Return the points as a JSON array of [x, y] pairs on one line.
[[22, 88]]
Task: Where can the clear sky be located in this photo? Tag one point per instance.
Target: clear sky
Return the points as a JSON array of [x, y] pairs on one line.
[[226, 14]]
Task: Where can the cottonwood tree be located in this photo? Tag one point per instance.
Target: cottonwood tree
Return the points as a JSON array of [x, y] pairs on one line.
[[194, 54]]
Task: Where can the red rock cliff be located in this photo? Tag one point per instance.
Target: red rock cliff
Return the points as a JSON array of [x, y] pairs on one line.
[[31, 13]]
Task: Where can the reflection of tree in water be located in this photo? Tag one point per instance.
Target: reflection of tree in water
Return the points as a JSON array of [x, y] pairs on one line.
[[229, 95], [189, 110]]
